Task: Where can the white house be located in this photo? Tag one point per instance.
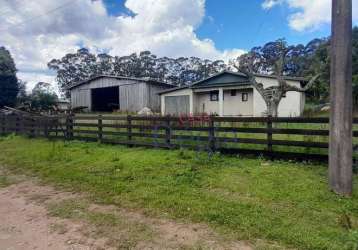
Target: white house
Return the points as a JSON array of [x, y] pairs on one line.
[[230, 94]]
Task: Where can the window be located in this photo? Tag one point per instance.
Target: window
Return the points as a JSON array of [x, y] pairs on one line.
[[214, 96], [245, 97], [233, 92]]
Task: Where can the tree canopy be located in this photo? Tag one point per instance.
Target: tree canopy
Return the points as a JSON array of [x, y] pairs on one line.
[[42, 97], [9, 86], [301, 60], [83, 65]]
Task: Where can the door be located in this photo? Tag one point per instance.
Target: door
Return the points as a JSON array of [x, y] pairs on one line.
[[176, 105]]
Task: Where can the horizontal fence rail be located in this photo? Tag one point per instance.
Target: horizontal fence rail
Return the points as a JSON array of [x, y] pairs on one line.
[[289, 138]]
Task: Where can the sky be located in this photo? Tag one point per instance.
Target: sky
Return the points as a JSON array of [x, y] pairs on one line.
[[37, 31]]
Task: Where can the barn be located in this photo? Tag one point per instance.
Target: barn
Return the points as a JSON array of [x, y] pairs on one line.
[[108, 93]]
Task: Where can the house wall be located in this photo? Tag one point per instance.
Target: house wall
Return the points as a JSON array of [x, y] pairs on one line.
[[290, 106], [204, 105], [234, 106], [133, 95]]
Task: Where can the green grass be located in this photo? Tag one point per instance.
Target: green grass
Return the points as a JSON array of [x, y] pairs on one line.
[[4, 181], [123, 234], [249, 199]]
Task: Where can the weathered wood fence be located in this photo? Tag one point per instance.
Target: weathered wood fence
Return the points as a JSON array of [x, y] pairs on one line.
[[288, 138]]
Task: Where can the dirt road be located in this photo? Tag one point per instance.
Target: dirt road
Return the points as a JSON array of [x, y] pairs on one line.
[[39, 217]]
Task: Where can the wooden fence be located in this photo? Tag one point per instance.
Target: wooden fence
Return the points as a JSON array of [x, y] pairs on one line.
[[288, 138]]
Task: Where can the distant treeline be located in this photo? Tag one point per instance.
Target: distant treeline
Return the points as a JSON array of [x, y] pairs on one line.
[[302, 60]]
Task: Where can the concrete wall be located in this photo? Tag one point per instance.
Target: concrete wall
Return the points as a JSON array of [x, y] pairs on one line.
[[204, 105], [234, 106], [133, 95]]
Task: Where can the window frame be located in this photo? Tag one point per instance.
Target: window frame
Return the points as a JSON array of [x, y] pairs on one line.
[[245, 97], [212, 94]]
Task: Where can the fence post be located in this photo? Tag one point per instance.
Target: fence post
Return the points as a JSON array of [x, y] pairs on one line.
[[69, 127], [269, 136], [129, 127], [212, 146], [3, 121], [17, 125], [33, 126], [46, 133], [167, 131], [100, 129]]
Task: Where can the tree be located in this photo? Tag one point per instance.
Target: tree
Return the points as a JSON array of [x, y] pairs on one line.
[[9, 87], [274, 94], [180, 71], [42, 97], [75, 67], [22, 96]]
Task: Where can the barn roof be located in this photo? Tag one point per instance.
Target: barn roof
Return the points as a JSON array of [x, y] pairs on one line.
[[143, 79], [227, 78]]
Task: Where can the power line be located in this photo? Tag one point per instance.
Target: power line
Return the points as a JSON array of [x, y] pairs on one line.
[[39, 16], [254, 40]]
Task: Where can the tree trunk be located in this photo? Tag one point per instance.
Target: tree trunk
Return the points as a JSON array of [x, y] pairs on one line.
[[272, 108]]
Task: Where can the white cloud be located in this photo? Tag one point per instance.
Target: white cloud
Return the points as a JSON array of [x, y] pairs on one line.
[[32, 78], [268, 4], [309, 15], [40, 30]]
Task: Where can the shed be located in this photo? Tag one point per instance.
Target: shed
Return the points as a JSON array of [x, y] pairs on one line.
[[108, 93]]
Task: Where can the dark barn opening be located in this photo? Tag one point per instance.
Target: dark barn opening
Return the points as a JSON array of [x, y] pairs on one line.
[[105, 99]]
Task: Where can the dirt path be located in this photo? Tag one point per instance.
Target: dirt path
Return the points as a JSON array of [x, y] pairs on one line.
[[39, 217]]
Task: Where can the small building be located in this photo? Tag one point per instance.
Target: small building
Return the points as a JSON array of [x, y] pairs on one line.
[[230, 94], [109, 93]]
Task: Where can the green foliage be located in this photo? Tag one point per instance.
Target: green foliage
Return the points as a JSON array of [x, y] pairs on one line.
[[83, 65], [42, 97], [288, 203], [9, 86], [7, 64]]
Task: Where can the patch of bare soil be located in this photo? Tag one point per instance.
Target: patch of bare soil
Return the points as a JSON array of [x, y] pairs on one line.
[[33, 216]]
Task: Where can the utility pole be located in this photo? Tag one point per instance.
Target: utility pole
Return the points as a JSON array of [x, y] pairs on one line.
[[340, 144]]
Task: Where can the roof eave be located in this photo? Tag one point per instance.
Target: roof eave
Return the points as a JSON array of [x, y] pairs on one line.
[[149, 80]]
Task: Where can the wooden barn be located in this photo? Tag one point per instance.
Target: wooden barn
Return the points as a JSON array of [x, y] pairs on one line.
[[108, 93]]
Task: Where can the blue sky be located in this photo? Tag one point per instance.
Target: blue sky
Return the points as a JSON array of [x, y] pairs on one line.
[[245, 24], [210, 29], [242, 23]]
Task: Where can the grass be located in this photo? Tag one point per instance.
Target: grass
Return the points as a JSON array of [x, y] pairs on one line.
[[4, 181], [248, 199], [122, 234]]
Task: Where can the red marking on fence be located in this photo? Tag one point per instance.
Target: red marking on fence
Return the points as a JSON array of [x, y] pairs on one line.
[[192, 120]]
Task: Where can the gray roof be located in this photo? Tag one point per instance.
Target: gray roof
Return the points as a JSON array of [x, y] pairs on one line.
[[143, 79], [232, 79], [289, 78]]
